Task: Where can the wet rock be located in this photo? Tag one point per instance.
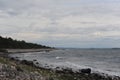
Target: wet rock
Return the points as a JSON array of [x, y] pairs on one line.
[[68, 70], [12, 58], [19, 69], [37, 62], [27, 62], [64, 70], [86, 71], [34, 60]]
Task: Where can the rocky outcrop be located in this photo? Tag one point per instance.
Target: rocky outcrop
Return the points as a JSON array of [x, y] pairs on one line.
[[8, 72], [85, 71]]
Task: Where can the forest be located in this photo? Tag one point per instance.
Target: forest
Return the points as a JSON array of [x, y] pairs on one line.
[[9, 43]]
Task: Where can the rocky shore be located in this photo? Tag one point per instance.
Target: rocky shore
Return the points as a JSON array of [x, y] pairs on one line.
[[8, 72], [69, 74], [13, 69]]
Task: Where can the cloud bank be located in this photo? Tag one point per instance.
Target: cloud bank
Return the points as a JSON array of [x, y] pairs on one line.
[[62, 23]]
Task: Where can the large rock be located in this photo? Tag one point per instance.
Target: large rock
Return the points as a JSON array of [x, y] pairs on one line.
[[86, 71], [27, 62]]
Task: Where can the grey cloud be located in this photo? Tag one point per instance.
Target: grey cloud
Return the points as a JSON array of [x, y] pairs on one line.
[[9, 29], [88, 22], [27, 16], [56, 29]]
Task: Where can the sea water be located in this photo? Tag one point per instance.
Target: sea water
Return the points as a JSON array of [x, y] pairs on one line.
[[99, 60]]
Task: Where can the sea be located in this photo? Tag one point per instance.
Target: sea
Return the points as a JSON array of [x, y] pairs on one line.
[[99, 60]]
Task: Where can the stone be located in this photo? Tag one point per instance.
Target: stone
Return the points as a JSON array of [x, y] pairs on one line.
[[86, 71]]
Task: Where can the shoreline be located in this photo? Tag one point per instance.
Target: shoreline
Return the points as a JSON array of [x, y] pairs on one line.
[[66, 72], [27, 50]]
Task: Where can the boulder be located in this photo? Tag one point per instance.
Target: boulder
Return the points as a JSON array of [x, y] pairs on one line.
[[86, 71], [27, 62]]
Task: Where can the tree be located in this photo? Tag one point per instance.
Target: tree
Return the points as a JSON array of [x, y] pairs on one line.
[[10, 43]]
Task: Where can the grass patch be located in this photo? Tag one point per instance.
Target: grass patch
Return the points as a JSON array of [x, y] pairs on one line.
[[4, 60]]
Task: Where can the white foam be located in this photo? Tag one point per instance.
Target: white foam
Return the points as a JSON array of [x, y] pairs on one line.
[[59, 57]]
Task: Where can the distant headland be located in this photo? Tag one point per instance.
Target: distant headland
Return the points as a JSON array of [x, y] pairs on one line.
[[9, 43]]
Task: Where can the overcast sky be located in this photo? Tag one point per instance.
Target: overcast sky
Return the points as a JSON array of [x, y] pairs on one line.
[[62, 23]]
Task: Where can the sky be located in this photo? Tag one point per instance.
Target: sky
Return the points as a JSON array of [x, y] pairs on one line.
[[62, 23]]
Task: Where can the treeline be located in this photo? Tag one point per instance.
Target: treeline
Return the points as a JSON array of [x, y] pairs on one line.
[[9, 43]]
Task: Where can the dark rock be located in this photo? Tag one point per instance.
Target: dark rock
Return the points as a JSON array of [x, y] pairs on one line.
[[86, 71], [65, 70], [34, 60], [17, 57], [97, 76], [37, 63], [12, 58], [57, 68], [19, 69], [27, 62]]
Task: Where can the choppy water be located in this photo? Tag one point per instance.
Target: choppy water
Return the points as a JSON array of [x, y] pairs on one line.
[[102, 60]]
